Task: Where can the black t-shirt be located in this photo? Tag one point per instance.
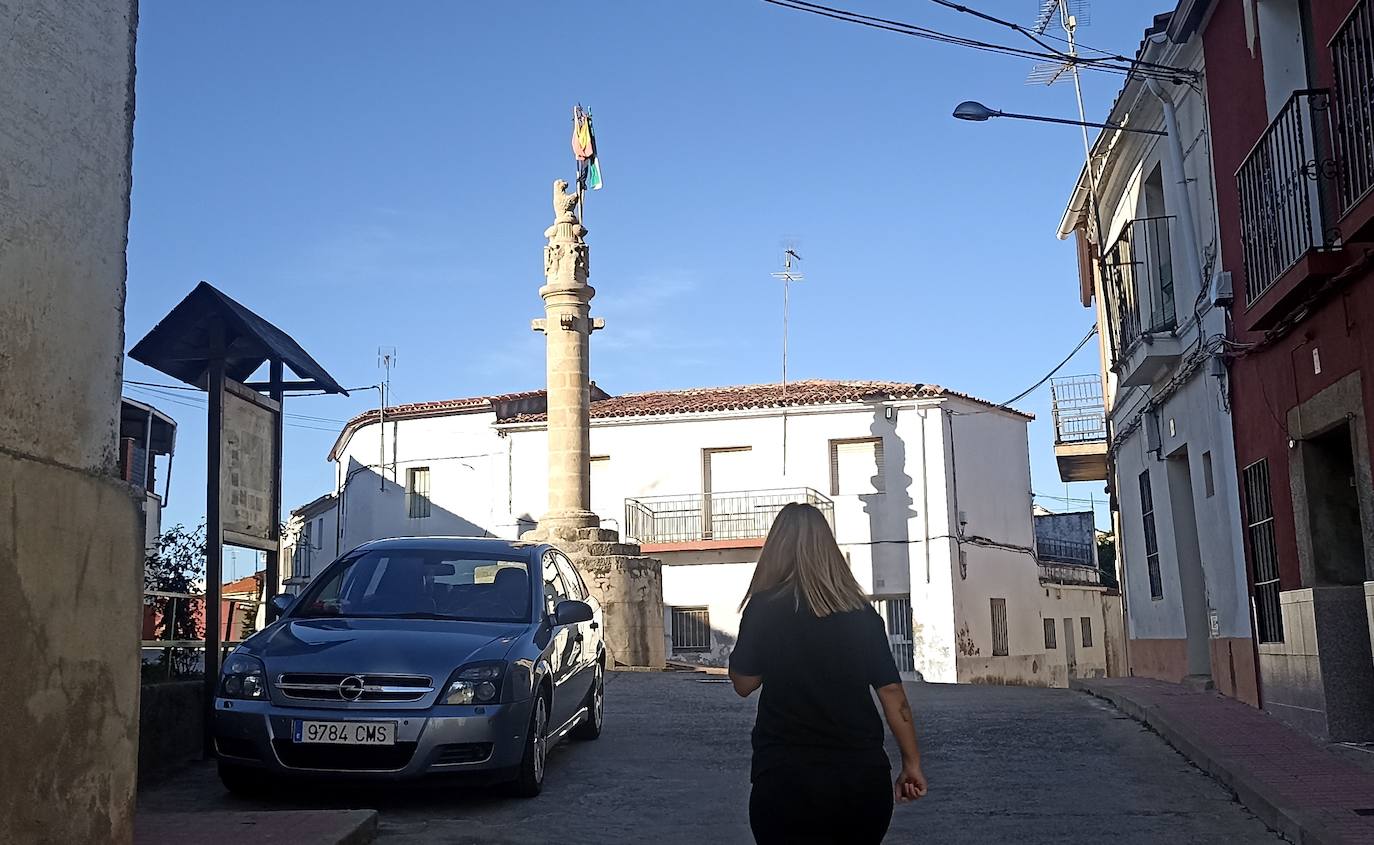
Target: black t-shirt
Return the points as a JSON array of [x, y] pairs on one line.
[[815, 705]]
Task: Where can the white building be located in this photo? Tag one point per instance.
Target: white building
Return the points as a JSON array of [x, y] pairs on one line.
[[1149, 256], [928, 490], [310, 541]]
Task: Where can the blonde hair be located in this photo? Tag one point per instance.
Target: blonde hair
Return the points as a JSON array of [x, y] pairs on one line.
[[801, 552]]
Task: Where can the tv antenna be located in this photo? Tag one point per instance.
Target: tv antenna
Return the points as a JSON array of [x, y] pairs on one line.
[[787, 277], [386, 359], [1070, 15]]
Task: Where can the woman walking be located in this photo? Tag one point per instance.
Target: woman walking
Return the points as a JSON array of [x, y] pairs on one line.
[[809, 638]]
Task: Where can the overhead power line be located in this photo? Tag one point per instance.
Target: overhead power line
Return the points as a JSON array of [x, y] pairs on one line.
[[1069, 57], [1110, 65], [1084, 342]]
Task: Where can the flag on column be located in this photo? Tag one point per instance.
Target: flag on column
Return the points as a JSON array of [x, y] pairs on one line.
[[584, 149]]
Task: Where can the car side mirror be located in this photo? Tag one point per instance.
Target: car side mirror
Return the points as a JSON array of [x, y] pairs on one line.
[[281, 602], [570, 612]]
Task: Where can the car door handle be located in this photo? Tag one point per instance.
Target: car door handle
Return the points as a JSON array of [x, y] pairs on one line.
[[595, 626], [579, 638]]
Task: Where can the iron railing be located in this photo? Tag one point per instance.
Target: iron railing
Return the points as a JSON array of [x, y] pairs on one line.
[[1352, 107], [1067, 573], [1140, 283], [1287, 190], [714, 516], [1080, 416], [1065, 551], [174, 624]]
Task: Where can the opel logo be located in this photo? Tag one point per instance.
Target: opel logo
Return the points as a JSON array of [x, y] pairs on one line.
[[351, 688]]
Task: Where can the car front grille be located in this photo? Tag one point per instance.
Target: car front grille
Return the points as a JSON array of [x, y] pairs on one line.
[[339, 687], [463, 752], [344, 758]]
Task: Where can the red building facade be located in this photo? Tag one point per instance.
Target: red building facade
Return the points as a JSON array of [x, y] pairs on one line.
[[1290, 87]]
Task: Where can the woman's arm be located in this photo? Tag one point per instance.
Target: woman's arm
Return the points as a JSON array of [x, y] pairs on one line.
[[911, 783], [745, 684]]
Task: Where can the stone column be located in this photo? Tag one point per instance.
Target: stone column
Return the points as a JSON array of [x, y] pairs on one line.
[[567, 327]]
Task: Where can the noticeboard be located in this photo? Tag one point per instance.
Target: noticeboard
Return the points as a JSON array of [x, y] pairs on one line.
[[247, 482]]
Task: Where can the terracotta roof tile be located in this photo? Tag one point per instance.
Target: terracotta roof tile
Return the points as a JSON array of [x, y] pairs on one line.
[[751, 396], [249, 584], [664, 402]]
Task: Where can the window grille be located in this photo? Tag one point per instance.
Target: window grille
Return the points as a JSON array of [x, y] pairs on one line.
[[691, 629], [1264, 553]]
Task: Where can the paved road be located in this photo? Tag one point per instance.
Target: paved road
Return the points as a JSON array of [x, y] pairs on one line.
[[1005, 763]]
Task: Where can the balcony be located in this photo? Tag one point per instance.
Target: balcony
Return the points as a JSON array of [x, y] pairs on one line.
[[1067, 562], [1288, 194], [1352, 120], [1080, 428], [1141, 313], [696, 521], [1067, 573]]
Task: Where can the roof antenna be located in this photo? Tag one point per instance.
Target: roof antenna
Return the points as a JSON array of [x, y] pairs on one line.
[[386, 359], [787, 277]]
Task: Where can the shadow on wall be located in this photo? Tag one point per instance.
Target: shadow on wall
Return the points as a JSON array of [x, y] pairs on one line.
[[372, 507], [717, 655], [889, 514]]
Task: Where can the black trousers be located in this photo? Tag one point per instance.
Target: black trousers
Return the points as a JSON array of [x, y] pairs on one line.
[[812, 805]]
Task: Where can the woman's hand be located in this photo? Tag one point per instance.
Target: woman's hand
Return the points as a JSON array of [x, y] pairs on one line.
[[911, 783]]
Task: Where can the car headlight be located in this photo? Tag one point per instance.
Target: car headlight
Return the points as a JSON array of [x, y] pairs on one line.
[[243, 677], [476, 683]]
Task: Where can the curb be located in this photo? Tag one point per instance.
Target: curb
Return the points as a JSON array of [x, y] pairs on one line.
[[267, 827], [1292, 824]]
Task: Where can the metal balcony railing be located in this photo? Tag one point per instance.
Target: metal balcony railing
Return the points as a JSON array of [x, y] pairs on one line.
[[1287, 191], [1080, 416], [1140, 283], [692, 517], [1352, 107], [1065, 551], [1062, 573]]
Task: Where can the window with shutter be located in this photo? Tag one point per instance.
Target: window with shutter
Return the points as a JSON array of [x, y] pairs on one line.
[[856, 466], [999, 628]]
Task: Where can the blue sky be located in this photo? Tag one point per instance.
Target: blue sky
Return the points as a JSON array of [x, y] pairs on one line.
[[366, 178]]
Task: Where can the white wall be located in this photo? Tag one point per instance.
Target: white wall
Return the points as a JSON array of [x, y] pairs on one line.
[[468, 464]]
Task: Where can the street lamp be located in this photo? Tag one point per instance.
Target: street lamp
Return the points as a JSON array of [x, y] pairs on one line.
[[977, 112]]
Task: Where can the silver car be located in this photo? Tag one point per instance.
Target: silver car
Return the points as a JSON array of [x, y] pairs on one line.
[[413, 657]]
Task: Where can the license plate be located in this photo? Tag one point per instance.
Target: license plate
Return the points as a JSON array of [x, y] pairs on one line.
[[344, 733]]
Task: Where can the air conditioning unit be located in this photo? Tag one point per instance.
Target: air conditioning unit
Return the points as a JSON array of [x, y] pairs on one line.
[[1221, 293]]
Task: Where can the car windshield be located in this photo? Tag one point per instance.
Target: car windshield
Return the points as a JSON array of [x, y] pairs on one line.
[[420, 584]]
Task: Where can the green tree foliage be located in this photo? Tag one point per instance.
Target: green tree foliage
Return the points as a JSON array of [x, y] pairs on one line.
[[1106, 558], [176, 565]]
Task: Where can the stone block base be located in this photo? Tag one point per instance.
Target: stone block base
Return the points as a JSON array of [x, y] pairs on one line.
[[628, 585]]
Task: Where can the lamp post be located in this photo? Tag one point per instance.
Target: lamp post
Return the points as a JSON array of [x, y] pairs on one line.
[[977, 112]]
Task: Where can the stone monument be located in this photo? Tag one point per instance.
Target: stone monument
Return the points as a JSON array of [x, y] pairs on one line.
[[628, 584]]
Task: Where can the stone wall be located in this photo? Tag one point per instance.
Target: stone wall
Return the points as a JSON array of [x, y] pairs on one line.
[[71, 535]]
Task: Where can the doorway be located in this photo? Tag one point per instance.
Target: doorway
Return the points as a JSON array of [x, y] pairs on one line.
[[1188, 554], [725, 472], [1333, 509], [1070, 650]]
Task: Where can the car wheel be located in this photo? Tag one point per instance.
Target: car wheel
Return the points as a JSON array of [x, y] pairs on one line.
[[530, 781], [243, 782], [590, 726]]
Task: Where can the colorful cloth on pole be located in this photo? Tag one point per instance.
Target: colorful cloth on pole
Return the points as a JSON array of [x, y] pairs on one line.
[[584, 149]]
